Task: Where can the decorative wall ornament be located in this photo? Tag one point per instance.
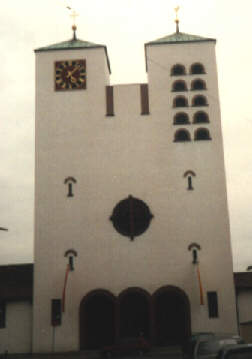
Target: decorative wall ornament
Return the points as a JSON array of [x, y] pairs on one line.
[[70, 181], [194, 247], [189, 175], [70, 254]]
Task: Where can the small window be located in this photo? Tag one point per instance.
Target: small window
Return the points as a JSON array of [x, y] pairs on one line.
[[179, 86], [182, 136], [202, 134], [56, 312], [180, 101], [197, 68], [2, 314], [181, 118], [199, 101], [200, 117], [198, 85], [178, 70], [212, 304], [110, 100]]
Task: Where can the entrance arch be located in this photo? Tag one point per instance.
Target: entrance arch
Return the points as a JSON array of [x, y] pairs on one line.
[[135, 313], [97, 319], [172, 320]]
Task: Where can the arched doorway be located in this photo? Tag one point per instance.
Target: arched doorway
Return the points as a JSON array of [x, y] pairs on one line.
[[97, 319], [135, 318], [172, 321]]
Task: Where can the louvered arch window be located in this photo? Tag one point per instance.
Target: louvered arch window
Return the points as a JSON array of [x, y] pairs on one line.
[[182, 135], [177, 70], [197, 68]]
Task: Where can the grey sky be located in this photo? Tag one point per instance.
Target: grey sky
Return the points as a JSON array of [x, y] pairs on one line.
[[124, 26]]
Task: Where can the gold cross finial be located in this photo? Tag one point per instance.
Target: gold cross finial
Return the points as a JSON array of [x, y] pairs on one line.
[[73, 15], [177, 10], [177, 19]]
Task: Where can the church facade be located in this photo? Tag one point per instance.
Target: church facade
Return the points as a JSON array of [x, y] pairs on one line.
[[131, 220]]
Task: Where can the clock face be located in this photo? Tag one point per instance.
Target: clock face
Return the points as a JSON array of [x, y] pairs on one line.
[[131, 217], [70, 75]]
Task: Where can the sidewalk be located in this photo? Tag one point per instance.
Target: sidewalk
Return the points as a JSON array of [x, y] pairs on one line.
[[157, 352]]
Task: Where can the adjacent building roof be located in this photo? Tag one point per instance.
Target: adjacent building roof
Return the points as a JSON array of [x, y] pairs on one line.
[[74, 44], [179, 37], [16, 282], [243, 280]]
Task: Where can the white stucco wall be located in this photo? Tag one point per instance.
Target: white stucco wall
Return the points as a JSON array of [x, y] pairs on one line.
[[111, 158], [16, 337]]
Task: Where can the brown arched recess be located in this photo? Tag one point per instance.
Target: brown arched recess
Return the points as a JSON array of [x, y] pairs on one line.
[[134, 313], [172, 317], [97, 319], [163, 318]]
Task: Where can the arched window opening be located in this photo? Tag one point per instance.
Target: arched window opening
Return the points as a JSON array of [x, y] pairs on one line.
[[182, 136], [197, 68], [181, 118], [180, 101], [179, 86], [199, 101], [198, 85], [202, 134], [189, 175], [200, 117], [178, 70]]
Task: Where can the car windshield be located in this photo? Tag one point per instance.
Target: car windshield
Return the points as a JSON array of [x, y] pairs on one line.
[[213, 346], [241, 354], [208, 347]]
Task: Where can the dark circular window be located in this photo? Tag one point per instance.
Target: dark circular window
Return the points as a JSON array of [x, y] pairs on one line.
[[131, 217]]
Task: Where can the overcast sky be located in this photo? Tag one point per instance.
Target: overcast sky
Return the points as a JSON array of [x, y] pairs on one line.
[[124, 26]]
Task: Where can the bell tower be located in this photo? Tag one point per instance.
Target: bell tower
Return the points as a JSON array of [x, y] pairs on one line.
[[184, 100], [71, 77]]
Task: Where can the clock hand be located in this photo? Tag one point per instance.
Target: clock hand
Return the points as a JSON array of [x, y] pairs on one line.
[[73, 79], [76, 68], [70, 73]]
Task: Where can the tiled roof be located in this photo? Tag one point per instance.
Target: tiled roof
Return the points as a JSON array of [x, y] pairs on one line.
[[179, 37], [69, 45], [74, 44]]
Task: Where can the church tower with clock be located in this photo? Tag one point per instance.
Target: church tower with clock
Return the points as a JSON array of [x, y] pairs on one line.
[[131, 220]]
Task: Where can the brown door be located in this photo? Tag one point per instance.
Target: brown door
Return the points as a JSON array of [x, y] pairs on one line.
[[97, 320], [171, 316]]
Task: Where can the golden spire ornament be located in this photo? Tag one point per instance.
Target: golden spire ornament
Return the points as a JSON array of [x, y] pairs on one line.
[[73, 15], [177, 19]]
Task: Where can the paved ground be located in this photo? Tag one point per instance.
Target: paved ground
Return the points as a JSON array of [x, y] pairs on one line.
[[157, 353]]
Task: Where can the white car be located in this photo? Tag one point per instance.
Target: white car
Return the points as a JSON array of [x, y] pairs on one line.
[[208, 349], [240, 351]]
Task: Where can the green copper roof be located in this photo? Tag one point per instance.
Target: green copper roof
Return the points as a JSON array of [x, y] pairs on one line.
[[179, 37], [69, 45], [74, 44]]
